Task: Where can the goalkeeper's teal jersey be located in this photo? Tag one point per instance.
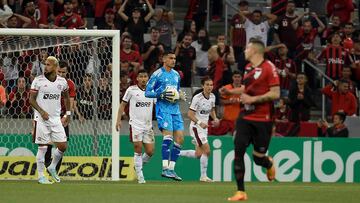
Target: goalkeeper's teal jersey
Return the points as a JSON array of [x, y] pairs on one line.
[[157, 84]]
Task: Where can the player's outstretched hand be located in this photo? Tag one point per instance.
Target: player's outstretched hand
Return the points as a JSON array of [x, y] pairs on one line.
[[45, 115]]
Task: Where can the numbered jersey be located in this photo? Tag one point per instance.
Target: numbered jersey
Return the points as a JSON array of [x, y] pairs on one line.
[[49, 98], [202, 106], [141, 107], [258, 81]]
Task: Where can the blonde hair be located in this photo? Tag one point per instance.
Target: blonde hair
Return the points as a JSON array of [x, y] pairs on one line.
[[54, 60]]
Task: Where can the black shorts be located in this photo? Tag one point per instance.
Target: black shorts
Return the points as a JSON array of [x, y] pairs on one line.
[[255, 132]]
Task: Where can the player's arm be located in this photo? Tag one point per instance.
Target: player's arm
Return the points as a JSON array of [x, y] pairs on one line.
[[119, 115], [271, 95], [35, 105], [150, 88], [234, 91], [67, 102], [191, 115]]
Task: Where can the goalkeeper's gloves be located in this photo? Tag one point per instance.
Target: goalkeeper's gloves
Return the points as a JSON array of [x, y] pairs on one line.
[[167, 95], [182, 95]]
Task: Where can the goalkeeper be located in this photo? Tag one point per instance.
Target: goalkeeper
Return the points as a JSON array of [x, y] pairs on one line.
[[164, 84]]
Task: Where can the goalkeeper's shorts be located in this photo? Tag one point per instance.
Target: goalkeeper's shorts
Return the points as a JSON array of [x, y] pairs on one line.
[[169, 122]]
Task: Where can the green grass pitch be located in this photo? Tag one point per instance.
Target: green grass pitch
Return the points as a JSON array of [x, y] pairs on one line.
[[173, 192]]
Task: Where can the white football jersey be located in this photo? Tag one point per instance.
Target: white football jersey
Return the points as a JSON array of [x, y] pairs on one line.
[[202, 106], [259, 31], [49, 98], [140, 107]]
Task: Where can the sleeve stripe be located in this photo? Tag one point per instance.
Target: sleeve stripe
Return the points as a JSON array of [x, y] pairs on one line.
[[124, 101], [192, 109]]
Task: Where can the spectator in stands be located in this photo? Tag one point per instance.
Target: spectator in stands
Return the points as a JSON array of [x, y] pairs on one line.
[[84, 102], [333, 26], [13, 21], [153, 49], [158, 13], [305, 36], [338, 129], [348, 31], [5, 13], [355, 61], [10, 67], [136, 24], [285, 31], [341, 8], [134, 46], [335, 57], [202, 45], [109, 20], [285, 66], [282, 114], [238, 35], [185, 60], [29, 12], [342, 99], [19, 105], [104, 99], [216, 67], [166, 29], [68, 19], [189, 27], [39, 64], [300, 99], [79, 8], [346, 75], [226, 52], [231, 108], [255, 27], [3, 99], [196, 12], [130, 60]]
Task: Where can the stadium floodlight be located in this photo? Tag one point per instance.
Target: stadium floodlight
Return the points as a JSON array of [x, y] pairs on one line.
[[94, 52]]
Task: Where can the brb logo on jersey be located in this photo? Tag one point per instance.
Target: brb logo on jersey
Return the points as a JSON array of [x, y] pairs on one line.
[[143, 104], [51, 96]]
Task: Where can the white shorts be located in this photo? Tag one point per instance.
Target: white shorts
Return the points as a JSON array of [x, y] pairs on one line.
[[141, 135], [199, 135], [44, 134]]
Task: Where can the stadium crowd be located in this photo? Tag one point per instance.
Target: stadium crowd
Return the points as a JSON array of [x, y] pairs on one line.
[[292, 36]]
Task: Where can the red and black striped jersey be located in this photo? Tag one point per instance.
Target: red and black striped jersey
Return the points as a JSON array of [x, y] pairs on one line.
[[336, 57]]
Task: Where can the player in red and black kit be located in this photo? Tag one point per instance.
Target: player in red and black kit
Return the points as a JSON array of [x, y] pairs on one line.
[[62, 71], [260, 87]]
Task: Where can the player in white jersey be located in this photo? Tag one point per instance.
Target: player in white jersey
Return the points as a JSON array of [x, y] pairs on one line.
[[45, 98], [202, 106], [141, 132]]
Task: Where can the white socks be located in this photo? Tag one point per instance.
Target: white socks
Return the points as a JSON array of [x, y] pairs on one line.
[[188, 153], [40, 160], [138, 163], [56, 158], [145, 158], [172, 165], [203, 165]]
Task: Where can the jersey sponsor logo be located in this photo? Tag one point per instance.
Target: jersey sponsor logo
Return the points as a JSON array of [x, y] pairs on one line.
[[142, 104], [51, 96], [335, 61], [205, 111]]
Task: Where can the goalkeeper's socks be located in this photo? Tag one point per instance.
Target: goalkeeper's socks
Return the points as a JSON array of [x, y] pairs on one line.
[[203, 165], [40, 160], [138, 162], [175, 152], [145, 158], [188, 153], [56, 158], [165, 150]]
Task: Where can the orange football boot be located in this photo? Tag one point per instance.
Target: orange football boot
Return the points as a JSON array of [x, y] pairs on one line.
[[238, 196], [270, 173]]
